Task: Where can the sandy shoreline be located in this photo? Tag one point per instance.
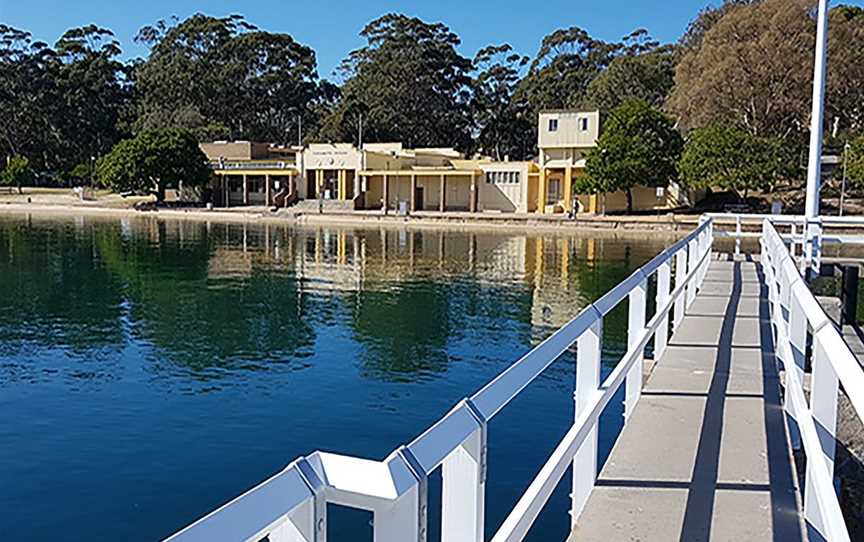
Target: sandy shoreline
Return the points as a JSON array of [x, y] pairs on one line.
[[667, 224]]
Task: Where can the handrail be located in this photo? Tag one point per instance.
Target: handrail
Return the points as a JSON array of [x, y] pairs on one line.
[[794, 312], [395, 489]]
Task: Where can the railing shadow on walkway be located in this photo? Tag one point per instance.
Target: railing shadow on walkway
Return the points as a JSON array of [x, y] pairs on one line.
[[705, 483]]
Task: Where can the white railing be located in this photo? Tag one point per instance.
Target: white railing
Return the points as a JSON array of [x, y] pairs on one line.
[[292, 506], [795, 313]]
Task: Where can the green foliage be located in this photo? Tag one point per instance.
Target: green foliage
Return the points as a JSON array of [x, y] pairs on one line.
[[855, 165], [728, 158], [408, 84], [153, 160], [501, 123], [17, 172], [224, 75], [61, 106], [639, 146], [644, 76]]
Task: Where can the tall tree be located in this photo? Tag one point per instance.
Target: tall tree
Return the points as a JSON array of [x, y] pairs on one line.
[[408, 84], [643, 70], [501, 123], [224, 76], [845, 96], [752, 68], [28, 97], [639, 146], [92, 83], [568, 60]]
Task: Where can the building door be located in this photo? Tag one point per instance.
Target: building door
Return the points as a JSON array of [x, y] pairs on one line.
[[418, 198]]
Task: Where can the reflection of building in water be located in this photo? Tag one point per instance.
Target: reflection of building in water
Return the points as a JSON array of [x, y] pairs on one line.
[[561, 271], [558, 288]]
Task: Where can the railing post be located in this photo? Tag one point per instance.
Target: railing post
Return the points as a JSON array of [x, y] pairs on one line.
[[661, 336], [588, 352], [797, 333], [692, 259], [635, 327], [737, 235], [680, 277], [404, 518], [463, 487], [823, 404]]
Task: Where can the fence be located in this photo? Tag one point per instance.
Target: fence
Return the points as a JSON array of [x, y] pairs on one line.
[[292, 505], [795, 313]]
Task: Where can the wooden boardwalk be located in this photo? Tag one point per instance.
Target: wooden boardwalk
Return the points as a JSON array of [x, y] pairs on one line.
[[705, 454]]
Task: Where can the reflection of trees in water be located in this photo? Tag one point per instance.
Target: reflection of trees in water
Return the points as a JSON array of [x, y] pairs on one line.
[[208, 298], [195, 321], [426, 290], [54, 293]]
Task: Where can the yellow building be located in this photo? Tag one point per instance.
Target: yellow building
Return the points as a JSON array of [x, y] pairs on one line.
[[564, 138], [250, 173], [389, 177]]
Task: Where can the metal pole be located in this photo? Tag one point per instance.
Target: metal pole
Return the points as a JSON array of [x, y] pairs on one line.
[[814, 164]]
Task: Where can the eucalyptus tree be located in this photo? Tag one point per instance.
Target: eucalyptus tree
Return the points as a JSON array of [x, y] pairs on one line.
[[751, 68], [568, 60], [408, 84], [500, 122], [224, 77], [27, 97], [642, 69]]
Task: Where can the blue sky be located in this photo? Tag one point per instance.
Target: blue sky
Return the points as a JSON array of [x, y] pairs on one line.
[[331, 28]]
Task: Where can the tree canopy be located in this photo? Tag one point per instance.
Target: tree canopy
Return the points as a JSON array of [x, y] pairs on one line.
[[639, 146], [729, 158], [224, 77], [745, 63], [408, 84], [152, 161]]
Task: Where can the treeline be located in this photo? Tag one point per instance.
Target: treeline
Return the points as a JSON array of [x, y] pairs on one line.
[[740, 73]]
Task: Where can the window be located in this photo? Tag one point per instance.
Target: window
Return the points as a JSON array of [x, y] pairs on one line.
[[554, 192], [502, 177], [583, 122], [553, 125]]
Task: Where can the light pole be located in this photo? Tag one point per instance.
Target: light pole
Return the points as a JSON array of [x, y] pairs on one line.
[[814, 163]]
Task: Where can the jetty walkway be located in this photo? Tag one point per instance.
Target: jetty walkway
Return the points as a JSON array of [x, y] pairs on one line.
[[743, 390], [706, 453]]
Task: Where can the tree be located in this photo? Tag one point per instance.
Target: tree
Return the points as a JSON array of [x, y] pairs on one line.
[[729, 158], [500, 122], [408, 84], [844, 106], [152, 161], [225, 77], [17, 172], [647, 76], [639, 146], [567, 62], [752, 68], [855, 171]]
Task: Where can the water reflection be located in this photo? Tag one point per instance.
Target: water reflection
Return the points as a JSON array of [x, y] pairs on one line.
[[205, 298], [154, 369]]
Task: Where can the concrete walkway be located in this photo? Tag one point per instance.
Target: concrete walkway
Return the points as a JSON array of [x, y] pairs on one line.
[[705, 454]]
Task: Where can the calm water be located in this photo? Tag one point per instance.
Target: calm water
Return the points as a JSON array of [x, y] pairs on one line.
[[152, 370]]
